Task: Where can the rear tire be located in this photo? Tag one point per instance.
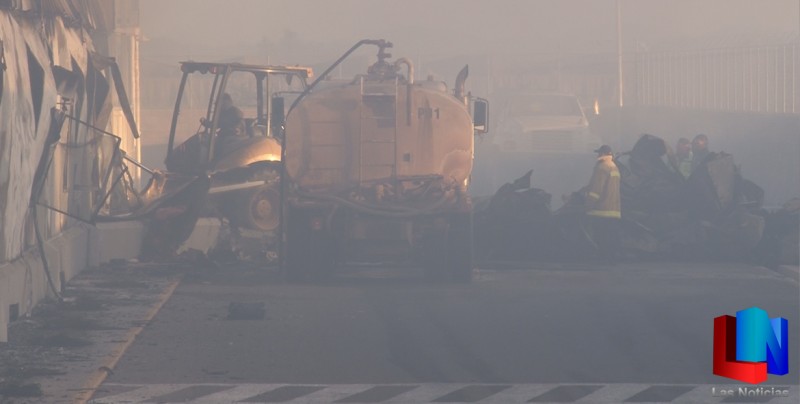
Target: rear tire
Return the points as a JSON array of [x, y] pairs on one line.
[[447, 254], [459, 249], [309, 254]]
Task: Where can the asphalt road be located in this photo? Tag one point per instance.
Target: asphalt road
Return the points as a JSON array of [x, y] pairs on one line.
[[576, 327]]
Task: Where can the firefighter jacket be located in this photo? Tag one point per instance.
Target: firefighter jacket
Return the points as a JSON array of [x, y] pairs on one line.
[[602, 196]]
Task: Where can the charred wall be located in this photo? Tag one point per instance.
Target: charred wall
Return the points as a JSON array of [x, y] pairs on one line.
[[49, 62]]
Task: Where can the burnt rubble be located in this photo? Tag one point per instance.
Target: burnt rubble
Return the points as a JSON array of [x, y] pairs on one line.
[[714, 214]]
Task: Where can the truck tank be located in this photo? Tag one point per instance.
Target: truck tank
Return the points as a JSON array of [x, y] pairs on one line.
[[371, 131], [378, 166]]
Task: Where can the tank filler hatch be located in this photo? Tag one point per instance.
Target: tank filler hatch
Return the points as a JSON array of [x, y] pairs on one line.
[[383, 70]]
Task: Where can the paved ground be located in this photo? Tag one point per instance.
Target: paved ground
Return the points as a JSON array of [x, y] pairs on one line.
[[637, 332], [429, 393], [559, 331], [60, 351]]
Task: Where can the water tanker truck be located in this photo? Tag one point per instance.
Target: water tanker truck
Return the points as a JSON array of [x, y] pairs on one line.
[[376, 169]]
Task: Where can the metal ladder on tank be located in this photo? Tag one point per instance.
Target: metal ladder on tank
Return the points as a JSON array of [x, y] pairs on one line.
[[372, 94]]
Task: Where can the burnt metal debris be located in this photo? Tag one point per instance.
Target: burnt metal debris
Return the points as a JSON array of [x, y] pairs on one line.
[[714, 214]]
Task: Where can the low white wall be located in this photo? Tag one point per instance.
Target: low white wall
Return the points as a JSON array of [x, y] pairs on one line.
[[23, 282], [121, 240]]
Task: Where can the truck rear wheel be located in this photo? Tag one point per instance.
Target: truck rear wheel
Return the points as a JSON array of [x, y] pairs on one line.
[[447, 252], [459, 249], [310, 251]]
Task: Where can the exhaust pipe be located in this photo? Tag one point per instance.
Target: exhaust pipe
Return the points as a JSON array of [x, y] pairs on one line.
[[459, 89], [405, 61]]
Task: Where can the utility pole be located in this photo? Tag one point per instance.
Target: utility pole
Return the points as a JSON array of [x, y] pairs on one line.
[[619, 54]]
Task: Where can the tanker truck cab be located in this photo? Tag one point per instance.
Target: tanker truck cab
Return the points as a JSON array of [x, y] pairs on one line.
[[376, 170], [222, 126]]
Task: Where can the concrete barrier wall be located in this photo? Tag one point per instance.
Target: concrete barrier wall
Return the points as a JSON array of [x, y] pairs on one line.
[[121, 240], [23, 282], [765, 146]]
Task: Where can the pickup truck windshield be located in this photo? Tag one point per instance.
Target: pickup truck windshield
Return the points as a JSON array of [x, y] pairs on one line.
[[545, 105]]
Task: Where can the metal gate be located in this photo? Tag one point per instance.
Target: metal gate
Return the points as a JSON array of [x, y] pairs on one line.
[[748, 79]]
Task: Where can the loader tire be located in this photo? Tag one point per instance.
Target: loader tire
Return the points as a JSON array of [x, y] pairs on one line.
[[258, 209]]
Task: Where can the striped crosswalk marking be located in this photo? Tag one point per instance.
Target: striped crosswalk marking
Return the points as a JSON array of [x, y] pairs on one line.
[[425, 393], [237, 393]]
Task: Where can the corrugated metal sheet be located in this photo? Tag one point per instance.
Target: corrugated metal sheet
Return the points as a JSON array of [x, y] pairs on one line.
[[67, 45], [21, 136], [91, 14], [99, 14], [54, 35]]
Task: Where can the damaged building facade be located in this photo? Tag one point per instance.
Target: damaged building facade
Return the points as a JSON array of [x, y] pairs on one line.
[[65, 68]]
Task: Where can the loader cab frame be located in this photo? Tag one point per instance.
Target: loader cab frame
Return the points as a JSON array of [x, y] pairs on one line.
[[197, 106]]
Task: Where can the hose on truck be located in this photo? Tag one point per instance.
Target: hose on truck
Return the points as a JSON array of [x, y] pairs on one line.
[[401, 212]]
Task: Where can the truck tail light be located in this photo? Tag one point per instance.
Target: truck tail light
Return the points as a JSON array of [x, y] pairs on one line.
[[316, 223]]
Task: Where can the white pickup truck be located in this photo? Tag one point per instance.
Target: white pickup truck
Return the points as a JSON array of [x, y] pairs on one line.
[[546, 132], [542, 122]]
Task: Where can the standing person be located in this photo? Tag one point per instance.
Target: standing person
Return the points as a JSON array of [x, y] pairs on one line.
[[699, 150], [603, 211], [231, 119], [683, 155]]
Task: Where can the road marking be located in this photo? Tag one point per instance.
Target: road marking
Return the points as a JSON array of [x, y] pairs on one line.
[[426, 393], [237, 393], [142, 394], [702, 393], [519, 393], [333, 393], [614, 393], [432, 393]]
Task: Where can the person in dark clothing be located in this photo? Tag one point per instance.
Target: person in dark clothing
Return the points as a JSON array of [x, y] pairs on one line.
[[231, 119], [699, 150], [683, 156]]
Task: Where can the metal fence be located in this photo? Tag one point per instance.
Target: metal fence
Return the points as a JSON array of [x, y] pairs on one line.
[[752, 79]]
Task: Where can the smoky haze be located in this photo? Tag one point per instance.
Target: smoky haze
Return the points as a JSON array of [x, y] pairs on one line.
[[572, 43], [224, 29]]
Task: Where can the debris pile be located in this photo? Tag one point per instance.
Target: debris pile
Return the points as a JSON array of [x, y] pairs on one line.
[[515, 223], [713, 214]]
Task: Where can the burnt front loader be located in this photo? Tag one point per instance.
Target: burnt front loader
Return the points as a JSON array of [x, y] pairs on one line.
[[244, 166]]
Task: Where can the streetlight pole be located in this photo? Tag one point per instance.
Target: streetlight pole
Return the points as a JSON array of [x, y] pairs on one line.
[[619, 54]]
